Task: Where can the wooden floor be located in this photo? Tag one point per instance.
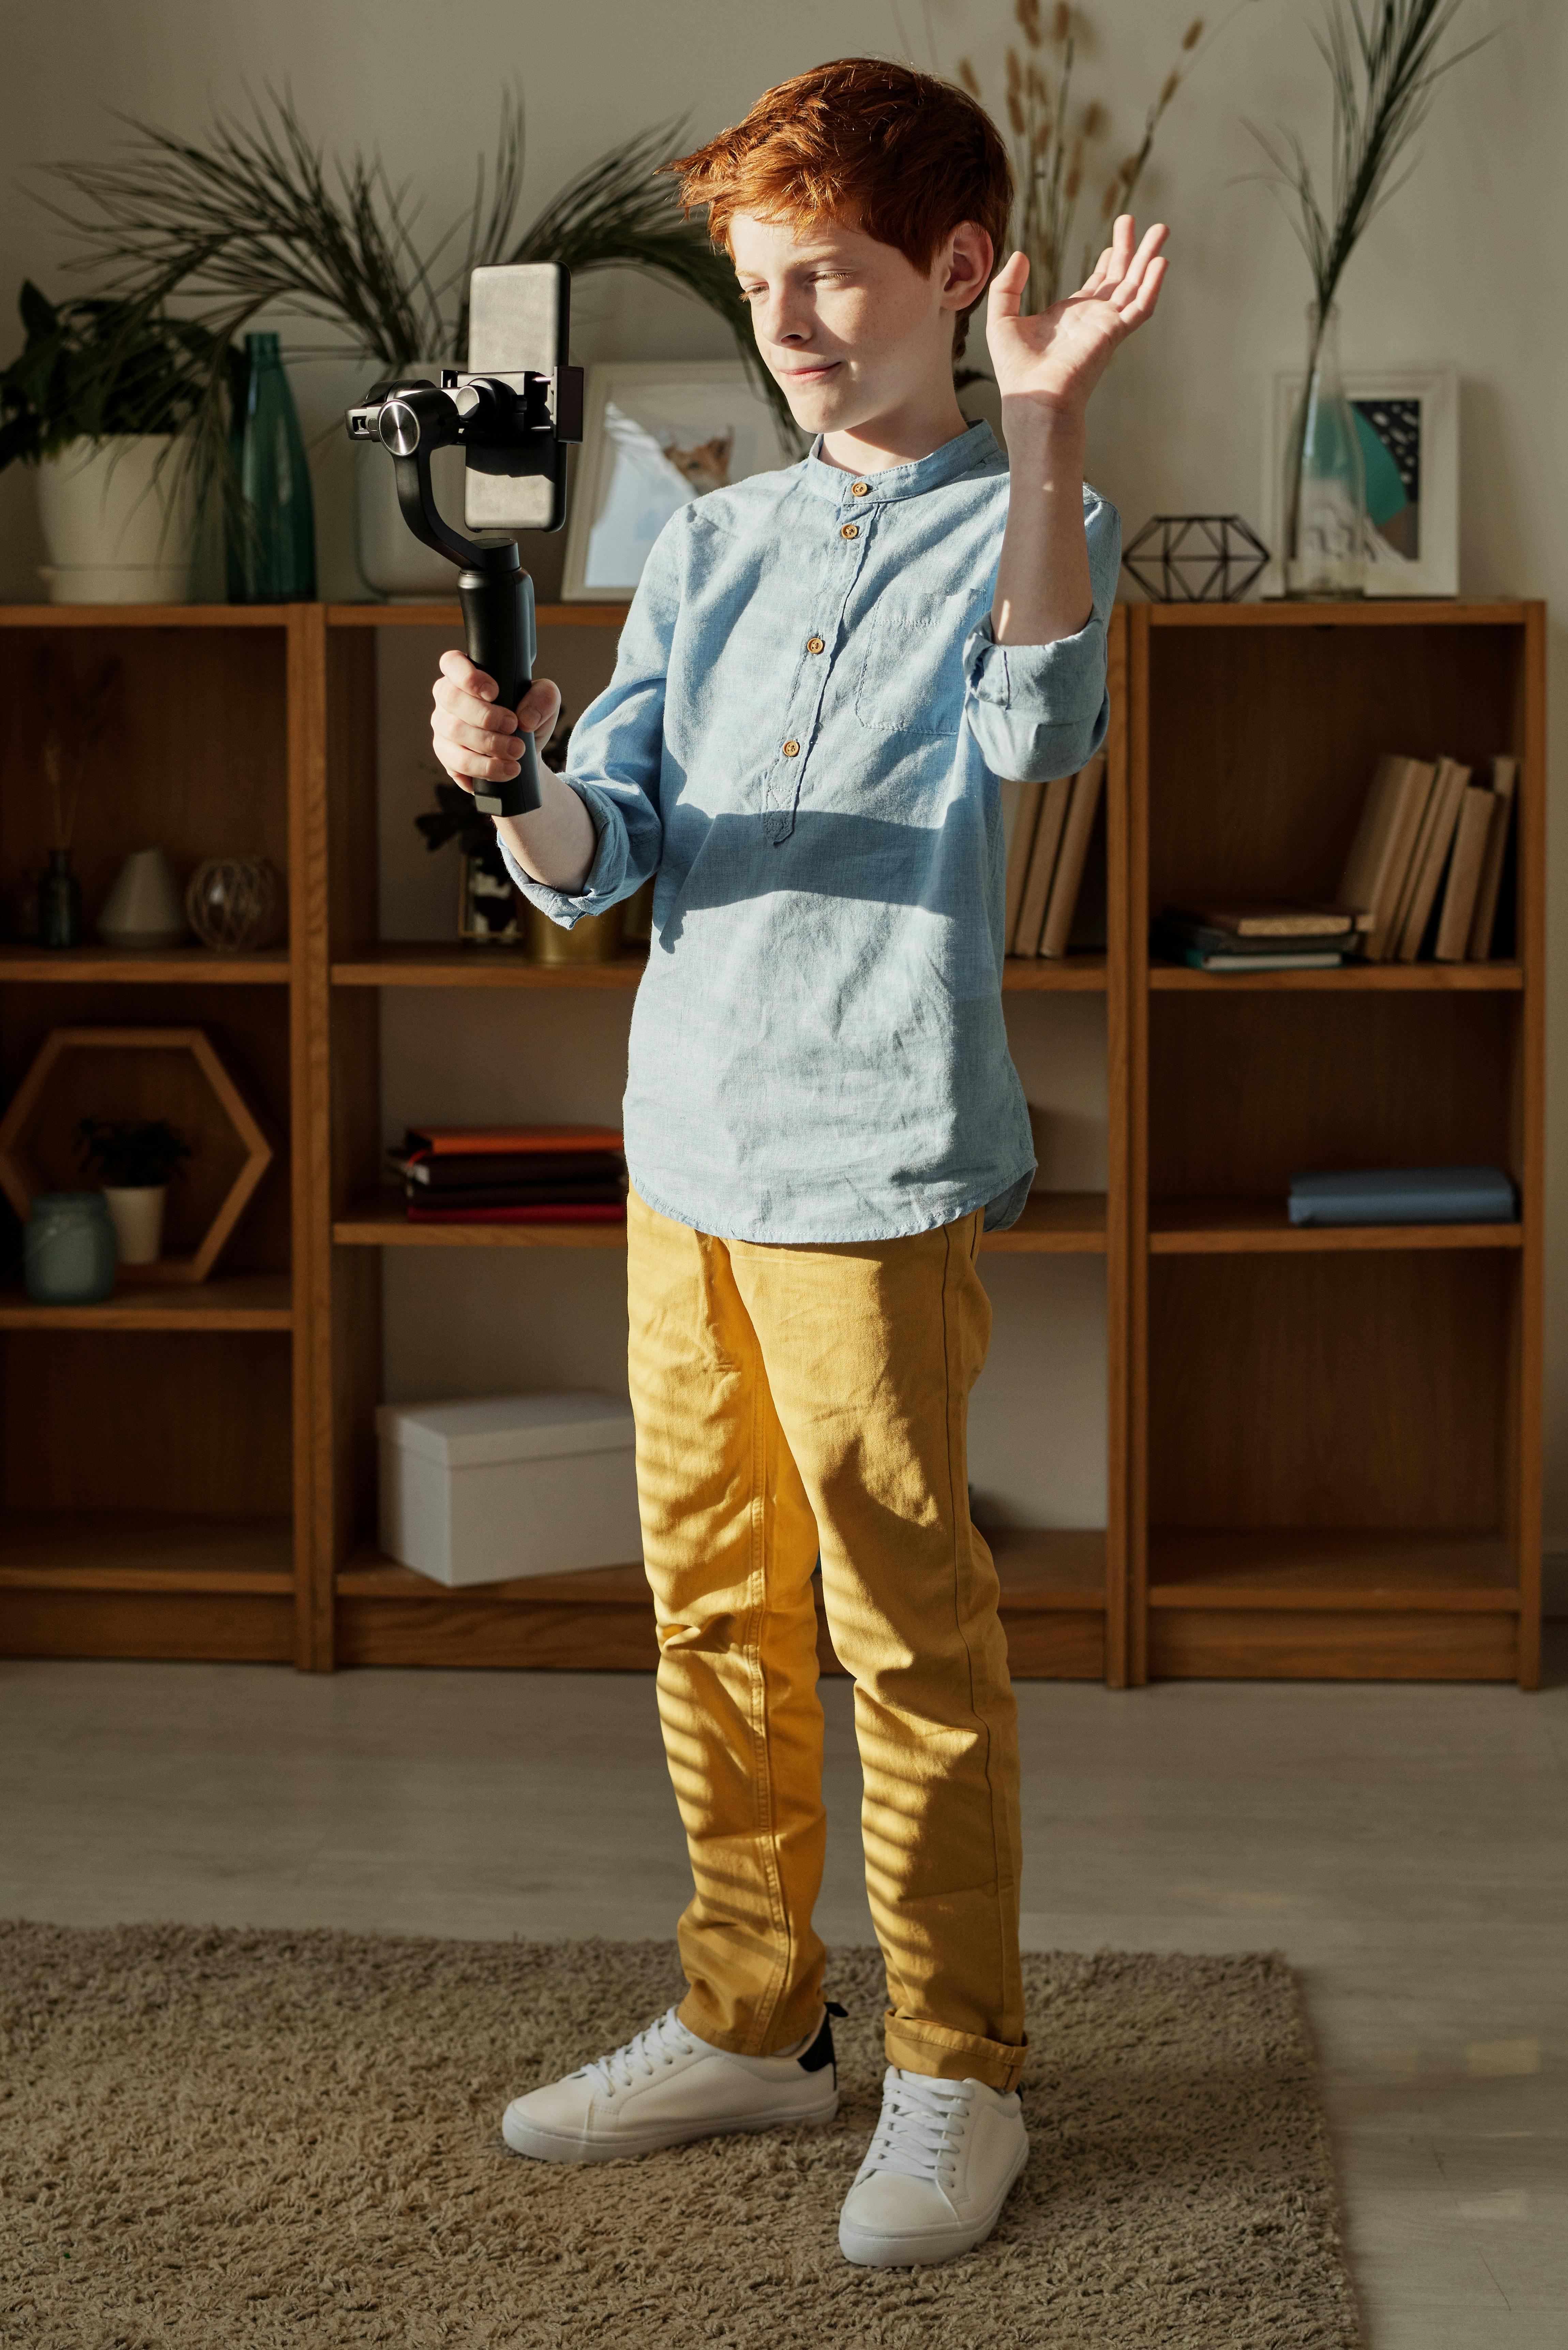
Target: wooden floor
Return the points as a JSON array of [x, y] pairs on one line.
[[1406, 1847]]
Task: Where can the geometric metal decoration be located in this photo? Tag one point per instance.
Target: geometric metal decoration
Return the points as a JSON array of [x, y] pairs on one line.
[[138, 1073], [1196, 558]]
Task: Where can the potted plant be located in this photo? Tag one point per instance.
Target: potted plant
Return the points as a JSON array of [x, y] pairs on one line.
[[97, 400], [133, 1158], [254, 216]]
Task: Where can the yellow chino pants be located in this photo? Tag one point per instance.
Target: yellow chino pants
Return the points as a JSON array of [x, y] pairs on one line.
[[788, 1398]]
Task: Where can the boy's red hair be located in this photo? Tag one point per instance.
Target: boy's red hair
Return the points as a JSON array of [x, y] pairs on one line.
[[873, 146]]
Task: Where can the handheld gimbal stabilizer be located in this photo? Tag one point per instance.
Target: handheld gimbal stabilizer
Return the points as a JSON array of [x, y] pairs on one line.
[[512, 412]]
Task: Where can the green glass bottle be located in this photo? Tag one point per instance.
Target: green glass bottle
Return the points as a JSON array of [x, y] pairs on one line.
[[271, 543]]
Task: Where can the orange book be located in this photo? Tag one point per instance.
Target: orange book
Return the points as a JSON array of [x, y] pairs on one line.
[[441, 1142]]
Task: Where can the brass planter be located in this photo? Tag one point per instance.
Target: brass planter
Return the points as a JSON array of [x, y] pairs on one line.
[[595, 939]]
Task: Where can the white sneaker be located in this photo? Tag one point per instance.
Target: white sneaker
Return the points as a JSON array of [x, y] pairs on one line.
[[942, 2158], [667, 2085]]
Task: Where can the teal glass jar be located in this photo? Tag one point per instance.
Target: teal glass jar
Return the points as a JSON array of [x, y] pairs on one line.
[[271, 542], [68, 1249]]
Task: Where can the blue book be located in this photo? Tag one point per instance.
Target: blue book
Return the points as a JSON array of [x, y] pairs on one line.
[[1404, 1195]]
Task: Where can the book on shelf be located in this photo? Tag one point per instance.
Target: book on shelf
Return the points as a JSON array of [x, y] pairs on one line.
[[1268, 919], [1432, 854], [1020, 818], [1230, 938], [1071, 858], [1372, 882], [1404, 1195], [1504, 778], [1054, 804], [1218, 958], [456, 1174], [1456, 916]]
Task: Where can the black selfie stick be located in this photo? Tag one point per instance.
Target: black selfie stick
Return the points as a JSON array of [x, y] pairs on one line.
[[519, 424]]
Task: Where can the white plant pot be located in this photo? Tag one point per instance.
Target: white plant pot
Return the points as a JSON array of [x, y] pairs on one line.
[[118, 527], [393, 563], [136, 1215]]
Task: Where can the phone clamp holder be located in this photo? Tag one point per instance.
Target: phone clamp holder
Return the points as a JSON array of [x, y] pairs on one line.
[[508, 425]]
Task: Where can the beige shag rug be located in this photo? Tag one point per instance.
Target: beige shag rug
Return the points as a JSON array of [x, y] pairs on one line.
[[218, 2140]]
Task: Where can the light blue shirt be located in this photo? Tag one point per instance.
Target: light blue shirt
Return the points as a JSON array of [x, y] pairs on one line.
[[817, 1050]]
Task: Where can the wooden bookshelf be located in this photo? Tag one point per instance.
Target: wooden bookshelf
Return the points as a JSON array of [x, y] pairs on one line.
[[1323, 1446], [1335, 1443]]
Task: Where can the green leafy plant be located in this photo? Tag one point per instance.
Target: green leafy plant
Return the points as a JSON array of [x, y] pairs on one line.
[[130, 1153], [254, 216], [94, 368]]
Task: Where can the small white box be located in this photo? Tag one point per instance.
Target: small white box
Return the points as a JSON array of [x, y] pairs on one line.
[[509, 1485]]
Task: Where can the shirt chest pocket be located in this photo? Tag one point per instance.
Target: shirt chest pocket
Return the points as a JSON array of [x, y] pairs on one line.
[[909, 678]]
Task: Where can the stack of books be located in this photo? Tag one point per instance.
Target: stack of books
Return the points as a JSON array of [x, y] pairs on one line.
[[511, 1174], [1048, 828], [1265, 936], [1426, 868]]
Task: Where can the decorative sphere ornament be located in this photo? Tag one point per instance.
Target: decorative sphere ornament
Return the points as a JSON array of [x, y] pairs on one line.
[[234, 903]]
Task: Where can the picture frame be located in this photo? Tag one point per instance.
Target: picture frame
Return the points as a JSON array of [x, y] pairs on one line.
[[656, 435], [1409, 417]]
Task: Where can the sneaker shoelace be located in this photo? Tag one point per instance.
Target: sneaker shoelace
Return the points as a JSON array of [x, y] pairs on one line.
[[915, 2135], [644, 2055]]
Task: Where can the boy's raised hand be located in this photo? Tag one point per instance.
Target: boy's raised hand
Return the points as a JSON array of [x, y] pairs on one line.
[[1054, 360], [475, 741]]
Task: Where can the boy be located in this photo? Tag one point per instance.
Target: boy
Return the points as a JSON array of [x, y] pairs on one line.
[[822, 676]]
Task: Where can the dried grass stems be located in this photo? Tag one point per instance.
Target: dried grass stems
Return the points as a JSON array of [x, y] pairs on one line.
[[255, 217], [1051, 135], [76, 717], [1383, 67]]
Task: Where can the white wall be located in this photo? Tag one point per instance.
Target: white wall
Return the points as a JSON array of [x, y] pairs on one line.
[[1463, 268]]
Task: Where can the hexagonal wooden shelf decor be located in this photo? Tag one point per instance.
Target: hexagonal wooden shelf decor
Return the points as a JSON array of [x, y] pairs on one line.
[[172, 1073]]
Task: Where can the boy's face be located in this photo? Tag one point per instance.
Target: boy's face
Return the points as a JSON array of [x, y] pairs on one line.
[[853, 331]]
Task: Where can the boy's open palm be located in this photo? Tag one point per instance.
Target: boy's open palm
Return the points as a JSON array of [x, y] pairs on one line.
[[1054, 360]]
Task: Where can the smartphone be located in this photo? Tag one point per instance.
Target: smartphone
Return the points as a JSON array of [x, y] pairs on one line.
[[517, 322]]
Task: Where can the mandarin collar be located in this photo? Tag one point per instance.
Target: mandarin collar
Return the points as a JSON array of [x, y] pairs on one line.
[[966, 452]]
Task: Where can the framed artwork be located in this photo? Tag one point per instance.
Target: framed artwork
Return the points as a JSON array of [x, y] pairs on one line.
[[655, 436], [1408, 423]]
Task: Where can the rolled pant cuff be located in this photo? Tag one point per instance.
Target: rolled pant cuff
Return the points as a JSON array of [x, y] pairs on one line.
[[944, 2056]]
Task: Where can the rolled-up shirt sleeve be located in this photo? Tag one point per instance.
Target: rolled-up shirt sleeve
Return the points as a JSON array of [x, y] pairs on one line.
[[617, 756], [1039, 711]]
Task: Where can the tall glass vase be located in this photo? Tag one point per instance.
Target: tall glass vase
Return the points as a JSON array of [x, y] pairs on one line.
[[1324, 505], [271, 541]]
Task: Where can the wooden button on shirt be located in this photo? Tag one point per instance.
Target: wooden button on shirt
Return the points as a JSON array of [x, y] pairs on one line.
[[817, 1052], [850, 530]]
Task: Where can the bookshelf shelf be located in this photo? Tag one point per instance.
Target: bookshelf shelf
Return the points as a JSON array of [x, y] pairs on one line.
[[449, 615], [379, 1222], [1231, 1227], [412, 963], [242, 1301], [415, 963], [1052, 1608], [81, 966], [1356, 1571], [1375, 978], [1054, 1224]]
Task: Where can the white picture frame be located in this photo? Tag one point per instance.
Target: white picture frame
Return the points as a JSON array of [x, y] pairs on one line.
[[1425, 404], [657, 435]]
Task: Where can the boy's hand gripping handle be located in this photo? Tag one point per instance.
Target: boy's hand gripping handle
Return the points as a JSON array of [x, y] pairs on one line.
[[498, 624]]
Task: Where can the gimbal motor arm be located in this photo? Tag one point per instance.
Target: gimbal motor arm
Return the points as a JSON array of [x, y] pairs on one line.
[[512, 425]]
